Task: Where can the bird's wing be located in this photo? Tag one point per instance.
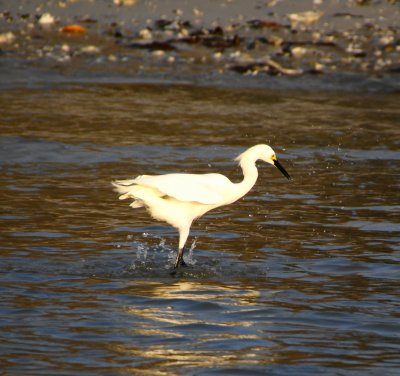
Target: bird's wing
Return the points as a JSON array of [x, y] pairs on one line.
[[207, 189]]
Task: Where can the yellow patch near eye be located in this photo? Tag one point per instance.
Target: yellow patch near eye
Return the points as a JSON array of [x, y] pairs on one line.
[[273, 157]]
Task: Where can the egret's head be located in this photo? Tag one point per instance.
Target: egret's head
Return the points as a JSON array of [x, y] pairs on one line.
[[264, 153]]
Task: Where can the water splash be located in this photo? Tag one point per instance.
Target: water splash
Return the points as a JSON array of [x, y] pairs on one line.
[[141, 253], [190, 259], [159, 255], [147, 256], [140, 250]]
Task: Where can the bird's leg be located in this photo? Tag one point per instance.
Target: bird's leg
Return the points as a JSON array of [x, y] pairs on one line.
[[179, 258], [183, 235]]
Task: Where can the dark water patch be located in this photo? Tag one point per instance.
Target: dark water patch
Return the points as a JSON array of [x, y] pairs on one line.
[[299, 277]]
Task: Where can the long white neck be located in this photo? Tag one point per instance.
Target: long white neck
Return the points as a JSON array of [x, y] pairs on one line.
[[250, 175]]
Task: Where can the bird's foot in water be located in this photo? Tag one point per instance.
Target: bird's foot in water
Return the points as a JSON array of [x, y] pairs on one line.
[[180, 263]]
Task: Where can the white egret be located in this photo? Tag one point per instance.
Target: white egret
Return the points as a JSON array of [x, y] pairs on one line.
[[179, 199]]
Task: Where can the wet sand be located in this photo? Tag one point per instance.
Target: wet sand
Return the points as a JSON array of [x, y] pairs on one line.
[[352, 45]]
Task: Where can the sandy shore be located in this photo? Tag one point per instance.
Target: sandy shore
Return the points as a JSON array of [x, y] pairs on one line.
[[303, 42]]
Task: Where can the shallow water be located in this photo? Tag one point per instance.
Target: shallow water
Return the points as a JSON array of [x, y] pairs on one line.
[[297, 278]]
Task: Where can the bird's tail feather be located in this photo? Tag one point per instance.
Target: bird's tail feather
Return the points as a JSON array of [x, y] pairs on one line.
[[120, 188], [137, 204], [128, 189], [126, 182]]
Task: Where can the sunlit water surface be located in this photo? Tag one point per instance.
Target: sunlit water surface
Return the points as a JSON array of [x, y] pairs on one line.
[[297, 278]]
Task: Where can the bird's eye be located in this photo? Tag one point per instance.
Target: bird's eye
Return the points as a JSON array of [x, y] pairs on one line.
[[273, 157]]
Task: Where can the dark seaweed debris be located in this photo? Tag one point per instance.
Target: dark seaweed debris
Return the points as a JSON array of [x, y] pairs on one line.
[[286, 44]]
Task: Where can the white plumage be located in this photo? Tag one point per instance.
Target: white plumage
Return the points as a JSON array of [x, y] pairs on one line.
[[178, 199]]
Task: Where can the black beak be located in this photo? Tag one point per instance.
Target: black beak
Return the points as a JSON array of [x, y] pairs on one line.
[[281, 169]]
